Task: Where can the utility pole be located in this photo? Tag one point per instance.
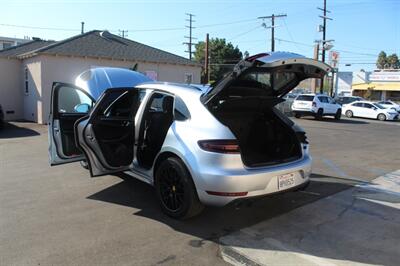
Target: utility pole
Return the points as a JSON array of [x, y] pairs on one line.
[[272, 17], [123, 33], [82, 27], [190, 38], [324, 42], [314, 81], [206, 62]]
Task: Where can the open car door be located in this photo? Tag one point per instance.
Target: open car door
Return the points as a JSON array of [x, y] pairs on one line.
[[107, 136], [68, 104]]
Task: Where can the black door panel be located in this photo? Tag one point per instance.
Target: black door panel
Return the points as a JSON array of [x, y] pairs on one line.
[[112, 126]]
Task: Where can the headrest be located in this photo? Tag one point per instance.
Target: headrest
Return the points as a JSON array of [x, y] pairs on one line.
[[168, 103]]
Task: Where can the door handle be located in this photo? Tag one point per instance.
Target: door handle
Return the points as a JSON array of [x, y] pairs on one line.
[[90, 137]]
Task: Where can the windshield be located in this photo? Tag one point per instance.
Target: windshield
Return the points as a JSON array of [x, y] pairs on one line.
[[308, 98]]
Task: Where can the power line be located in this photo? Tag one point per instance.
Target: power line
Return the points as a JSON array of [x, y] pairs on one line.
[[243, 33], [37, 28], [272, 17], [226, 23]]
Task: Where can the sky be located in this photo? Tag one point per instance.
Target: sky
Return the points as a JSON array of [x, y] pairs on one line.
[[360, 28]]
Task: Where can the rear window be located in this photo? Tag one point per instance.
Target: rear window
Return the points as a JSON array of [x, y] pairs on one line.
[[308, 98]]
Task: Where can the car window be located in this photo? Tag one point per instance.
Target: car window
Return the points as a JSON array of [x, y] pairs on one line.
[[267, 80], [121, 107], [181, 112], [157, 102], [357, 104], [332, 101], [70, 98], [379, 106], [323, 99], [308, 98], [367, 105], [119, 103]]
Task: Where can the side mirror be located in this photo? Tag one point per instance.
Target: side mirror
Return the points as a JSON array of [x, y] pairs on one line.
[[375, 108], [82, 108]]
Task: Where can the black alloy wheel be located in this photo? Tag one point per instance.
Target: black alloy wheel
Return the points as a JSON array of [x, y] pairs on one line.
[[338, 114], [175, 190], [319, 114]]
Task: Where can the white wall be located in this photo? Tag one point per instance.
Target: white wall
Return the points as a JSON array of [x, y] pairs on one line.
[[11, 95], [33, 99], [344, 81]]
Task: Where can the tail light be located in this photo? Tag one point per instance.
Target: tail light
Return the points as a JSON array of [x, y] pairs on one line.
[[314, 104], [220, 145]]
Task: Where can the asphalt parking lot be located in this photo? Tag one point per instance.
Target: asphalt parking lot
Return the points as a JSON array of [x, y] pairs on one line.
[[60, 215]]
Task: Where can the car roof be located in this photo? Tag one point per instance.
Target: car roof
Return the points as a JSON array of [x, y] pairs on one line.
[[174, 88], [363, 102]]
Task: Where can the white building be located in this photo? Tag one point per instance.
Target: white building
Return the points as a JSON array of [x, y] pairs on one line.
[[377, 85], [6, 42], [343, 83], [28, 71]]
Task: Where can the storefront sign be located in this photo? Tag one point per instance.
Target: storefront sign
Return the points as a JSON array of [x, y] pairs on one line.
[[384, 76]]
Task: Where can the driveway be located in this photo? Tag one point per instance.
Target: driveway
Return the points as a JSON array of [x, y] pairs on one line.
[[59, 215]]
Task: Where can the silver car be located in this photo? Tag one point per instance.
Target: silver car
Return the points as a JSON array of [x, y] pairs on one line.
[[196, 147]]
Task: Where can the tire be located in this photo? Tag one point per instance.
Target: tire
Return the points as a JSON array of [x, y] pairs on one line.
[[319, 114], [381, 117], [84, 164], [297, 115], [349, 114], [175, 190], [338, 114]]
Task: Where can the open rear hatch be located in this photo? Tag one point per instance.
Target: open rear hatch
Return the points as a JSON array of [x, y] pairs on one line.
[[244, 101]]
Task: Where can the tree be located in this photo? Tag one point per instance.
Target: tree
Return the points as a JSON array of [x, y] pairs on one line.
[[393, 61], [381, 61], [223, 56]]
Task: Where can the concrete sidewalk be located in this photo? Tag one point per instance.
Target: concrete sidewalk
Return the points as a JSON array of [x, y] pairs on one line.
[[358, 226]]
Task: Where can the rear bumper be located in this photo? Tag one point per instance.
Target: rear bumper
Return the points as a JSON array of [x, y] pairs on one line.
[[255, 182], [304, 112]]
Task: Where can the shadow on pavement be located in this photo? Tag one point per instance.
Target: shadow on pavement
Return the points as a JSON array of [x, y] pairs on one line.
[[341, 121], [214, 223], [13, 130]]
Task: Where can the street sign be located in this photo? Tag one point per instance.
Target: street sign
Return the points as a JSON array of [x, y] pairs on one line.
[[334, 58]]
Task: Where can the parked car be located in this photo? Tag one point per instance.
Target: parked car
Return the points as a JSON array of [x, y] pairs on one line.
[[1, 117], [195, 147], [342, 100], [317, 105], [390, 104], [369, 110]]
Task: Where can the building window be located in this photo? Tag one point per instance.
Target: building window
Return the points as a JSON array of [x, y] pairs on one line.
[[6, 45], [26, 81], [188, 78]]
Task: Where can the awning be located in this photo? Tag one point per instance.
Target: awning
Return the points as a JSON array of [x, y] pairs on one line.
[[376, 86]]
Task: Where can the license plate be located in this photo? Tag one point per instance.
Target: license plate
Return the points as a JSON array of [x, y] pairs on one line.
[[286, 181]]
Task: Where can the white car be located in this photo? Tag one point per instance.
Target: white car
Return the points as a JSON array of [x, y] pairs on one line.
[[390, 105], [369, 110], [317, 105]]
